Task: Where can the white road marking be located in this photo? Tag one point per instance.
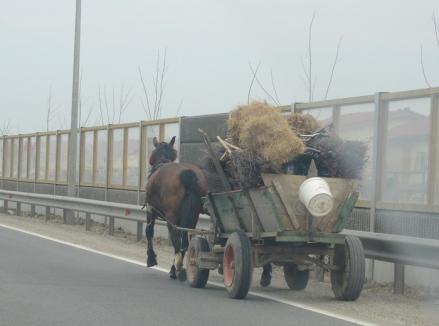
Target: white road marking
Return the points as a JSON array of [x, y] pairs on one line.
[[139, 263]]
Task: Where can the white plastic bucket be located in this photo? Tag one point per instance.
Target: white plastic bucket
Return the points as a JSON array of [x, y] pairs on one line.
[[316, 195]]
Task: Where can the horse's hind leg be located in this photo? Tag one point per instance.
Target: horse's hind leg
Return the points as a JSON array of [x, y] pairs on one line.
[[151, 259], [266, 275], [177, 270], [173, 234]]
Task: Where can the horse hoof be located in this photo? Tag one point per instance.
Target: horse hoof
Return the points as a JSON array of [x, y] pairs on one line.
[[172, 273], [151, 261], [182, 275], [221, 270], [151, 258], [265, 280]]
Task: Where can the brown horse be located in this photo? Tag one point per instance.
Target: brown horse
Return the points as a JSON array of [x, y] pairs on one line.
[[173, 193]]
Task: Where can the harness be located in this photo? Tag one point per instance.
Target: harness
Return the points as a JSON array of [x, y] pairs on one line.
[[149, 207]]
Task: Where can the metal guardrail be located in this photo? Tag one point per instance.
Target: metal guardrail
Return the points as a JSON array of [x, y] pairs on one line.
[[112, 210], [397, 249]]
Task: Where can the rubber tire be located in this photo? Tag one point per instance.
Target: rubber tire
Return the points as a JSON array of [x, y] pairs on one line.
[[240, 244], [296, 280], [348, 282], [196, 277]]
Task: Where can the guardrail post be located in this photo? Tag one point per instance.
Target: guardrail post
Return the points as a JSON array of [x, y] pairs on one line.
[[111, 225], [398, 284], [18, 211], [32, 210], [87, 221], [5, 206], [139, 230], [64, 215], [47, 216]]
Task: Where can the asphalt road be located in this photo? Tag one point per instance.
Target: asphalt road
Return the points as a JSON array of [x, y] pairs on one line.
[[47, 283]]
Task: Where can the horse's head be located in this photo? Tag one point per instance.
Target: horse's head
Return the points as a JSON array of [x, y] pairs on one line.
[[163, 153]]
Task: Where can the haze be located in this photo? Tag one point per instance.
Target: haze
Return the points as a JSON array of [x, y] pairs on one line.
[[209, 47]]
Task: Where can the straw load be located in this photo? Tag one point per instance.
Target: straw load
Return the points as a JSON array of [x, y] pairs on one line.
[[303, 124], [263, 140], [263, 130]]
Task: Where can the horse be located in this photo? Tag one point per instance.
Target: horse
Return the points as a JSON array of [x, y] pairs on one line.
[[173, 193]]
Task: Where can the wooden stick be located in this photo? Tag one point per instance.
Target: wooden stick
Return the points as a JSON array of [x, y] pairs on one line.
[[233, 146], [222, 142]]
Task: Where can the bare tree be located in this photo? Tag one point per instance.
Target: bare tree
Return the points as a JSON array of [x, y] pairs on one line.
[[421, 59], [436, 28], [112, 107], [310, 80], [5, 128], [423, 69], [252, 81], [331, 76], [52, 110], [273, 98], [152, 100]]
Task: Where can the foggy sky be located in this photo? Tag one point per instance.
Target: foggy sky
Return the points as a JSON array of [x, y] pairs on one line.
[[209, 44]]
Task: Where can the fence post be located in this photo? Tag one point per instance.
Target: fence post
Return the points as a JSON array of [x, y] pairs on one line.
[[398, 284], [18, 211], [380, 122], [111, 225], [87, 221], [139, 230]]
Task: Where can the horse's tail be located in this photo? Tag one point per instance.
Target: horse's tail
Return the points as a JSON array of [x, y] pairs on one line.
[[190, 206]]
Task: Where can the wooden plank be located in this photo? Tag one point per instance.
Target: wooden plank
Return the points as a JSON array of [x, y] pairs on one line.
[[286, 203]]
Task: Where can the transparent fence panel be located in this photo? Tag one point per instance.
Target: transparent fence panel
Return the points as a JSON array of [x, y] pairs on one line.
[[52, 158], [101, 158], [405, 174], [150, 132], [24, 151], [1, 157], [87, 159], [171, 130], [8, 157], [32, 157], [133, 157], [63, 153], [42, 159], [117, 157], [15, 158], [356, 123], [323, 115]]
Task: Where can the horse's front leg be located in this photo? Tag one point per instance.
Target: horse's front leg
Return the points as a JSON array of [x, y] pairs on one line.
[[151, 259]]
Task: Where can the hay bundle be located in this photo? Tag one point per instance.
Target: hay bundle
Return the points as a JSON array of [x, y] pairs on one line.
[[303, 124], [243, 113], [262, 129]]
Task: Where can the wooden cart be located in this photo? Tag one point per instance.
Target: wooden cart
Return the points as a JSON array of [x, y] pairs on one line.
[[269, 224]]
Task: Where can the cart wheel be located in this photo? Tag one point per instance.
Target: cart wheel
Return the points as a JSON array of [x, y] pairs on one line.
[[196, 277], [237, 265], [347, 282], [295, 278]]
